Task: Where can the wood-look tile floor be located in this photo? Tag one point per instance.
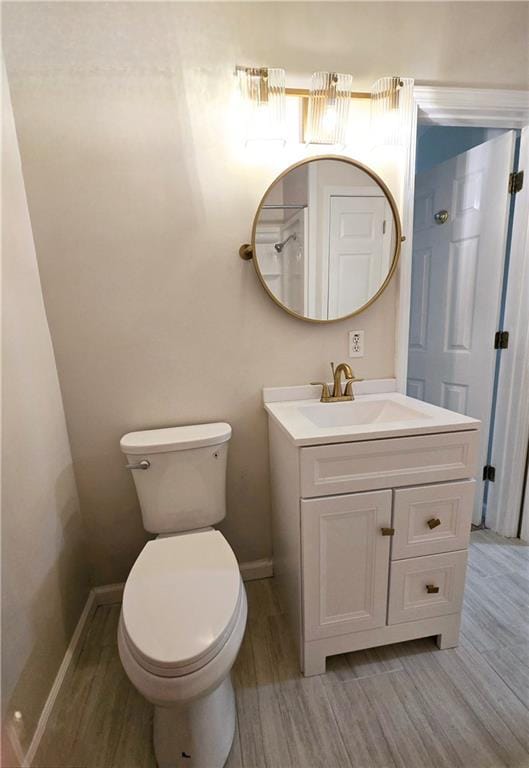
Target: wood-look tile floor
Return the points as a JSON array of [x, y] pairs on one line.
[[402, 706]]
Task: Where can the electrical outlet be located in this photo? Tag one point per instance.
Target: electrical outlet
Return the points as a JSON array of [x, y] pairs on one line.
[[356, 343]]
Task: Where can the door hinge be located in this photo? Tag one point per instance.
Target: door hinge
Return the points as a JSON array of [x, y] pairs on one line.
[[501, 340], [489, 473], [515, 182]]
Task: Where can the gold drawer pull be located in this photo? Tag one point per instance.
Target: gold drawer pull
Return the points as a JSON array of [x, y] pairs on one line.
[[431, 589], [387, 531], [434, 522]]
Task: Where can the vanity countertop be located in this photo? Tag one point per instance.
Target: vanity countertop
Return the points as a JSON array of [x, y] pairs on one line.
[[380, 414]]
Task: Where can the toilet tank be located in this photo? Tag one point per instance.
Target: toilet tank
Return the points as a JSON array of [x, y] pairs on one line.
[[183, 486]]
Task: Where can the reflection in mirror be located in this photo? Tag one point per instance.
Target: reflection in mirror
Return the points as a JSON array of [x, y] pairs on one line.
[[325, 238]]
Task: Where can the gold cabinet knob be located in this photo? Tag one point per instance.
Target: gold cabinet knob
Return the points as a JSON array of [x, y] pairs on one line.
[[434, 522], [387, 531], [431, 589]]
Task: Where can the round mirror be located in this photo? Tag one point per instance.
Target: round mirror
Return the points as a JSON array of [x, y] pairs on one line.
[[326, 238]]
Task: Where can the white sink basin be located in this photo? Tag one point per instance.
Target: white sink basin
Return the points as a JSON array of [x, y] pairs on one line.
[[368, 417], [359, 412]]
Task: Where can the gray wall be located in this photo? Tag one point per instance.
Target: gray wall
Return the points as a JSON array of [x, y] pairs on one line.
[[437, 143], [140, 195], [44, 571]]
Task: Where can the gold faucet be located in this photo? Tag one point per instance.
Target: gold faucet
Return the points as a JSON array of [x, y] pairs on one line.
[[337, 396]]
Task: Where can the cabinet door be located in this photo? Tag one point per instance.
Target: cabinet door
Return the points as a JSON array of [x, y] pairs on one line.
[[345, 561]]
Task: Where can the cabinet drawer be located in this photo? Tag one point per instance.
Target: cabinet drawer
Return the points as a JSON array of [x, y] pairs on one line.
[[389, 463], [432, 519], [411, 580]]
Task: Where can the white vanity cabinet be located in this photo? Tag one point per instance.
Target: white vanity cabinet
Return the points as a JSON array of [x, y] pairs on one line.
[[370, 538]]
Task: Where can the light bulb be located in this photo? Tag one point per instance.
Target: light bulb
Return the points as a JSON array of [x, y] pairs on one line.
[[329, 119]]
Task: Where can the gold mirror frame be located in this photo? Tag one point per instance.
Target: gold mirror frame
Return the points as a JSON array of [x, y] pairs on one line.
[[247, 251]]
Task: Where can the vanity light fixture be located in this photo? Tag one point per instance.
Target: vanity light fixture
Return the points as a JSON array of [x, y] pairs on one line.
[[328, 109], [391, 110], [264, 103]]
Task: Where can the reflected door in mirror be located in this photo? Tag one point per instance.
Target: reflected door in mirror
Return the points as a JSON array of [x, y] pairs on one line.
[[359, 250]]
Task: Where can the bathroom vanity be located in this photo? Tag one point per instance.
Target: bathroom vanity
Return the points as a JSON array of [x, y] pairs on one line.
[[372, 502]]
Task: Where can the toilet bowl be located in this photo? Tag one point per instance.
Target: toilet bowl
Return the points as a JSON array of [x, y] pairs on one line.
[[184, 605]]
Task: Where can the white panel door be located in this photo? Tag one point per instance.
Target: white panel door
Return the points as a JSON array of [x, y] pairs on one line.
[[359, 239], [345, 561], [457, 280]]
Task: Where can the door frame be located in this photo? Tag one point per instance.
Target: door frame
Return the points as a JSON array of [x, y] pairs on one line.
[[511, 436], [473, 107], [524, 533]]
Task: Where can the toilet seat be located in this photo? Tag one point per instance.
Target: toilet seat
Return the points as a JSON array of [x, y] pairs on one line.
[[183, 689], [181, 602]]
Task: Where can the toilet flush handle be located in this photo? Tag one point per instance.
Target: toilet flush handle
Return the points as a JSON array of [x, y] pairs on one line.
[[143, 464]]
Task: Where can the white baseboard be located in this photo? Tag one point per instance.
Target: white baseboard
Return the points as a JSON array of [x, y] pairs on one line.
[[257, 569], [109, 594], [17, 753], [85, 617]]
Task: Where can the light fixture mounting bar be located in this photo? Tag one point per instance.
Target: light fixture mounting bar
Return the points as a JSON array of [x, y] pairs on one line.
[[305, 93]]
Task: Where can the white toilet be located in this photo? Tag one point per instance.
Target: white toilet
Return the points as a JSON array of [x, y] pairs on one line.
[[184, 605]]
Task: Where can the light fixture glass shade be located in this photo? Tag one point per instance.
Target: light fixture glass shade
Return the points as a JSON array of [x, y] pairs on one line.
[[391, 110], [328, 112], [264, 103]]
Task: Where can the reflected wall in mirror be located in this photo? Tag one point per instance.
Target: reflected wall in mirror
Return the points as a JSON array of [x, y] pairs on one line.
[[326, 238]]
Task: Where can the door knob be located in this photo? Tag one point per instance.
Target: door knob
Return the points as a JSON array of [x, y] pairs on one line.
[[387, 531], [434, 522], [441, 217], [431, 589]]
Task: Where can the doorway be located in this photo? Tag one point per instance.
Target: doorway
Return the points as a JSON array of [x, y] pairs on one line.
[[462, 218]]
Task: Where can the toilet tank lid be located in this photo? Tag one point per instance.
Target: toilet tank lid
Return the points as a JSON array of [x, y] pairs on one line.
[[175, 438]]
